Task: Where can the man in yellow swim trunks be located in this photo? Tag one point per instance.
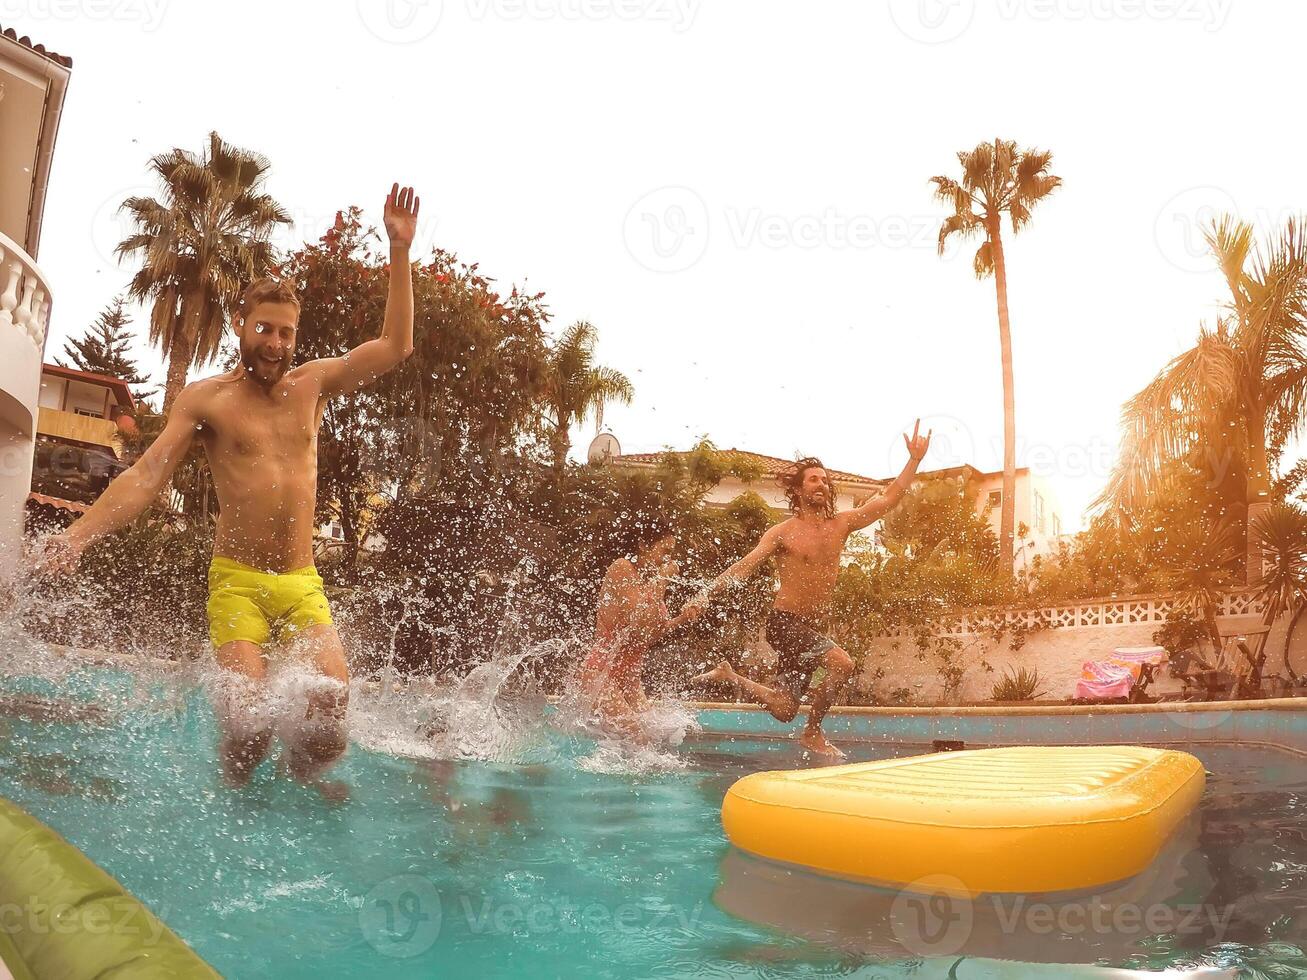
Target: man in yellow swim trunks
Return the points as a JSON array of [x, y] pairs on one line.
[[258, 424]]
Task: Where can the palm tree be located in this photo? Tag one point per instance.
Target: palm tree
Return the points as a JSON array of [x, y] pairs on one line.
[[1233, 400], [1281, 530], [997, 179], [1194, 561], [199, 246], [575, 387]]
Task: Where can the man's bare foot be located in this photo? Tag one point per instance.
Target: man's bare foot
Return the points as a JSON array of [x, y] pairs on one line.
[[817, 743], [722, 673]]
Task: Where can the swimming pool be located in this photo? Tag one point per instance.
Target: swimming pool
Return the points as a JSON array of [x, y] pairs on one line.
[[572, 863]]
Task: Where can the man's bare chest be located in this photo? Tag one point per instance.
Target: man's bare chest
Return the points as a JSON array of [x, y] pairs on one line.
[[814, 548], [243, 428]]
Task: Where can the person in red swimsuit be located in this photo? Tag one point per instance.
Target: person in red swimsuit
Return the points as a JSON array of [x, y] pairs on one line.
[[631, 617]]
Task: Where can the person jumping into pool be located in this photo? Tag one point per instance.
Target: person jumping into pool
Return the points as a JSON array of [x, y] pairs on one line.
[[807, 549], [630, 618], [258, 424]]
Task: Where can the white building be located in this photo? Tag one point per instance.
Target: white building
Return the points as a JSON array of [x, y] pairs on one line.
[[1036, 507], [32, 86], [851, 490], [1038, 512]]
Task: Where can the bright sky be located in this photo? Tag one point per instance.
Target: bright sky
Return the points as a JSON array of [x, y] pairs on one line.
[[735, 191]]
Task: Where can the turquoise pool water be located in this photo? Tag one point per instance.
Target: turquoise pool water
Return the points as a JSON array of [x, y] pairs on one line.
[[551, 869]]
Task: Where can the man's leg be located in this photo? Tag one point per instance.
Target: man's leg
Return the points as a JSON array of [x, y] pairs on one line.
[[782, 705], [243, 719], [839, 668], [319, 738]]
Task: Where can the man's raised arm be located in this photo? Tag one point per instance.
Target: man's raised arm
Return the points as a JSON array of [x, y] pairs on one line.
[[130, 492], [367, 362], [880, 505], [741, 571]]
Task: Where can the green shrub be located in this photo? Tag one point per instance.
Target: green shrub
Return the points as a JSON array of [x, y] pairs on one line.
[[1018, 685]]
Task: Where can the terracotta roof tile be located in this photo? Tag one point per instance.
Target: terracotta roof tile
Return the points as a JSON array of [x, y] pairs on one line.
[[73, 505], [772, 466], [25, 41]]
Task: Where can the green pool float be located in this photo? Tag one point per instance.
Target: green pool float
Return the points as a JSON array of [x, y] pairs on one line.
[[62, 917]]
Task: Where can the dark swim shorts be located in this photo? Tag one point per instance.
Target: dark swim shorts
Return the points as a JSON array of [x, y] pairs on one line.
[[799, 650]]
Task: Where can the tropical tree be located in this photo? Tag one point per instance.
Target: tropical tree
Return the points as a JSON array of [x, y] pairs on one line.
[[576, 387], [1231, 402], [1281, 530], [198, 246], [997, 179], [102, 349]]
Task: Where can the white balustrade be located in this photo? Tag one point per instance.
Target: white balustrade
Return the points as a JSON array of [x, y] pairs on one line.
[[1126, 611], [25, 297]]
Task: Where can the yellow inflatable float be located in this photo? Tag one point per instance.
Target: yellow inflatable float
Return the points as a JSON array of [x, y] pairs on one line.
[[1025, 819]]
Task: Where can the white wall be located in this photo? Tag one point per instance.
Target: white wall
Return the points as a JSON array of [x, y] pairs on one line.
[[87, 397], [1028, 484], [52, 391], [1056, 652], [20, 372]]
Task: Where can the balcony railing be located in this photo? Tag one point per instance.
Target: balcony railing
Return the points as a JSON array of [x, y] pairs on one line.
[[58, 424], [24, 293]]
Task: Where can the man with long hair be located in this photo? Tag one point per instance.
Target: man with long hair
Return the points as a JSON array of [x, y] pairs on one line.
[[807, 549]]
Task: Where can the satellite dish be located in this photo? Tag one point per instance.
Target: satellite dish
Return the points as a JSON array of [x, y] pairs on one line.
[[604, 447]]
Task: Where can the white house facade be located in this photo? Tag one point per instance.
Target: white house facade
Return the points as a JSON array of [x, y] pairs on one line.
[[33, 82]]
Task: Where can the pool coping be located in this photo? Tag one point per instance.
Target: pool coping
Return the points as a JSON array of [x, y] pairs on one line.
[[1155, 707], [1265, 722]]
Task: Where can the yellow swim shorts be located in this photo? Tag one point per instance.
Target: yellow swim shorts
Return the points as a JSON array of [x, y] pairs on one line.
[[250, 604]]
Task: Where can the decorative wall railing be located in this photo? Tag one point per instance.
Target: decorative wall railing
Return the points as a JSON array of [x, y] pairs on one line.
[[1125, 611], [24, 293]]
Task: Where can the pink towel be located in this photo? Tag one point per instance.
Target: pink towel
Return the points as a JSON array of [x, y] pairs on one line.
[[1105, 679], [1116, 676]]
